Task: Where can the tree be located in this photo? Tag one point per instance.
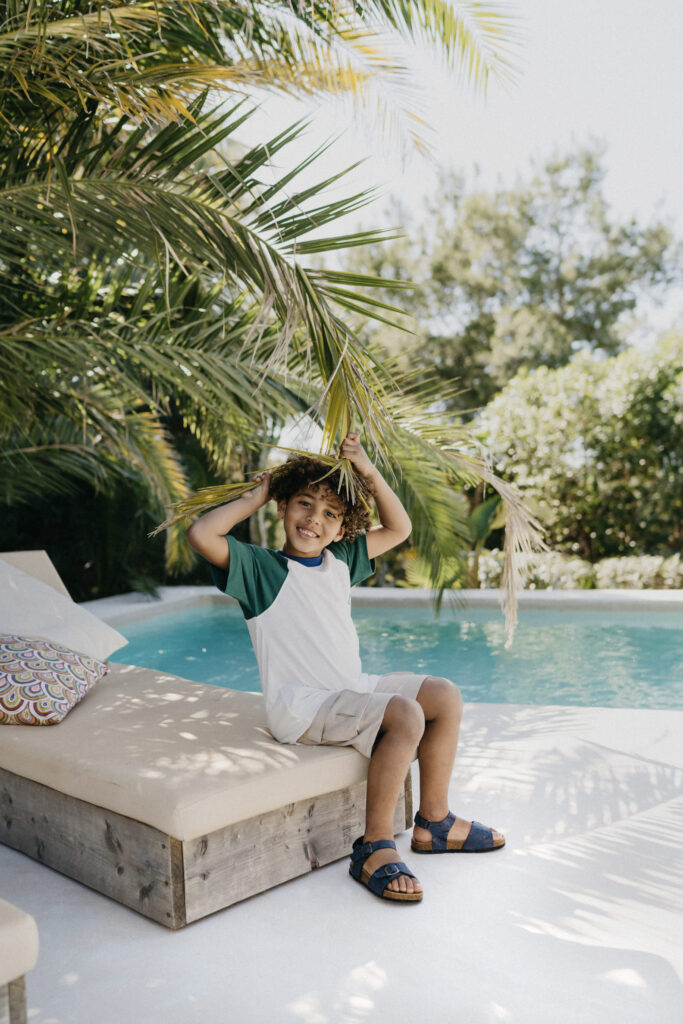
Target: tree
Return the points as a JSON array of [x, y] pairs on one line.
[[145, 273], [520, 277], [596, 447]]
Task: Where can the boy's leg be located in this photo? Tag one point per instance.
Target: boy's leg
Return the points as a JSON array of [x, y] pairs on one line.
[[402, 726], [441, 703]]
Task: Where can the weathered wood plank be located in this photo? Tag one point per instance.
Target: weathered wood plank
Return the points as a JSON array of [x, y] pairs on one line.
[[17, 1001], [254, 855], [13, 1002], [122, 858], [4, 1004]]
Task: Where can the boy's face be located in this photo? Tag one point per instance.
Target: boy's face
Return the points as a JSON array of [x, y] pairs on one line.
[[312, 519]]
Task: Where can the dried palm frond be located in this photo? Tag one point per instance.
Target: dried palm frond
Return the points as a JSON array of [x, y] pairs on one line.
[[219, 494], [523, 535], [202, 500]]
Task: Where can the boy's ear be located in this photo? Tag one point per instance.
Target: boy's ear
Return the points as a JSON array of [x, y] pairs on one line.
[[340, 535], [281, 508]]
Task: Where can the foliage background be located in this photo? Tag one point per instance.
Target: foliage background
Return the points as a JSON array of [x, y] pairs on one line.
[[528, 298], [159, 296], [170, 298]]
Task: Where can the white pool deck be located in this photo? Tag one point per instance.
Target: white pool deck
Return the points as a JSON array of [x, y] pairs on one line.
[[578, 919]]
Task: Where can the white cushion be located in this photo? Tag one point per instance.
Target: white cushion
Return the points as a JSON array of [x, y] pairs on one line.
[[18, 943], [186, 758], [30, 607], [39, 565]]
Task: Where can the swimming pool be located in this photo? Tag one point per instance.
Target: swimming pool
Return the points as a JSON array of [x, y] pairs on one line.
[[587, 658]]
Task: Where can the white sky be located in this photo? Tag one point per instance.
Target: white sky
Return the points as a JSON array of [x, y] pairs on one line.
[[604, 69]]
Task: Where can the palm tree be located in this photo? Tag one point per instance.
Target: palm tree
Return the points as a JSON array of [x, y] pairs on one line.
[[139, 265]]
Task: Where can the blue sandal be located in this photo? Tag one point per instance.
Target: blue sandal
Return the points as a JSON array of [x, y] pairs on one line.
[[479, 839], [378, 881]]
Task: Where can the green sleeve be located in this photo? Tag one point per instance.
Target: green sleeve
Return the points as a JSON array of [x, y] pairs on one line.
[[254, 576], [355, 554]]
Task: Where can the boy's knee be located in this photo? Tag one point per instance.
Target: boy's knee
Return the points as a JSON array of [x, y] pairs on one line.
[[406, 716], [447, 695]]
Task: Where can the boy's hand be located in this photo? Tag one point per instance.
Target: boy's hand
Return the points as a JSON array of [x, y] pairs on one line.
[[394, 522], [353, 450], [261, 494]]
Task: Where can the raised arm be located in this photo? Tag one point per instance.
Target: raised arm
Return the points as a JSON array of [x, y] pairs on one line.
[[394, 523], [207, 535]]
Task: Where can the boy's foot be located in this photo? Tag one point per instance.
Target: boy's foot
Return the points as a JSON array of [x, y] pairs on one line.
[[403, 885], [460, 835]]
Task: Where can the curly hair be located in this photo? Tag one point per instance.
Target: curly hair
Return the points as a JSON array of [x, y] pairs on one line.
[[300, 472]]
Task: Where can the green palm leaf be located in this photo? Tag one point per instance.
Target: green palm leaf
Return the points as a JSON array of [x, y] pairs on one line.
[[150, 60]]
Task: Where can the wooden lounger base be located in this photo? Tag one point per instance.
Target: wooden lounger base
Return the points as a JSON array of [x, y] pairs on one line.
[[13, 1002], [175, 881]]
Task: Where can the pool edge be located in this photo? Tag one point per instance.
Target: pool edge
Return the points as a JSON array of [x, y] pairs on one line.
[[132, 607]]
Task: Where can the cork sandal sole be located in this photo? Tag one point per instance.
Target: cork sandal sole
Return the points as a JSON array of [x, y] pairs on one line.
[[453, 846]]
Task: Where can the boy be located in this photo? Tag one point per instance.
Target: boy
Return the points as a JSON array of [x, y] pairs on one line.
[[297, 606]]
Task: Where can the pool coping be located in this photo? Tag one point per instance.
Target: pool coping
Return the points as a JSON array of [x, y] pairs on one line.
[[123, 609]]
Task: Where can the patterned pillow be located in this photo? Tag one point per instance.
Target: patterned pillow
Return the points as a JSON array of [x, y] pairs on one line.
[[40, 681]]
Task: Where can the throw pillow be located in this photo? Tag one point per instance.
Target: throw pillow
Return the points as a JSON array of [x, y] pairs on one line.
[[29, 607], [40, 681]]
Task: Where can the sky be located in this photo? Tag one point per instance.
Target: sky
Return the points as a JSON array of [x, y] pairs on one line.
[[609, 70]]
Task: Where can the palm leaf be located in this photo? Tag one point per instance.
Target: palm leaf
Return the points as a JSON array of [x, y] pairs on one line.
[[151, 60], [478, 38], [208, 497]]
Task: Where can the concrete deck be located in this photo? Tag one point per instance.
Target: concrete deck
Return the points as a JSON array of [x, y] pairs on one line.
[[578, 920]]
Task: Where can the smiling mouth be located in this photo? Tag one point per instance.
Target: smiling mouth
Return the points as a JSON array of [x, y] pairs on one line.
[[307, 533]]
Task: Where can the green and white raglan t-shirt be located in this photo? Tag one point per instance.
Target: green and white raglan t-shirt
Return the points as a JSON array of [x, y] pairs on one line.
[[299, 620]]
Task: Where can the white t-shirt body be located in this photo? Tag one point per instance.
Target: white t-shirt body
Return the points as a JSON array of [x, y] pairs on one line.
[[299, 620]]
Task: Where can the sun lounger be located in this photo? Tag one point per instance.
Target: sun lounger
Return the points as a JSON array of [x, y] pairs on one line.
[[172, 797], [18, 955]]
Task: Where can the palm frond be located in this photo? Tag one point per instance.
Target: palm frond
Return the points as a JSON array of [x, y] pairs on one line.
[[208, 497], [449, 457], [478, 38], [523, 536], [150, 60]]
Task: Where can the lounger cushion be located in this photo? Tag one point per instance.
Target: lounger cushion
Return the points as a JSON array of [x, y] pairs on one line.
[[187, 758], [41, 681], [18, 943], [29, 607]]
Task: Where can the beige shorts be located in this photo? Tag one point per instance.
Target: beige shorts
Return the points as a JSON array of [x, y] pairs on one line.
[[351, 719]]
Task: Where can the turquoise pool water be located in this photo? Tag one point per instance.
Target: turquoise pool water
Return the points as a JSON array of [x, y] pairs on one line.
[[597, 659]]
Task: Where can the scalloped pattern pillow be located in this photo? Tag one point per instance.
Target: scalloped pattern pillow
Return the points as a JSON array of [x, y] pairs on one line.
[[40, 680]]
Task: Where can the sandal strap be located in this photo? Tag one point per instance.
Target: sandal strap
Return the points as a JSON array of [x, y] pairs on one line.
[[361, 852], [382, 877], [438, 829], [480, 838]]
